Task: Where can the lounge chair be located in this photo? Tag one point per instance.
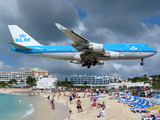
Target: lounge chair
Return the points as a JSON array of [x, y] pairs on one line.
[[136, 103], [144, 106], [124, 96], [125, 99], [132, 101], [140, 104], [114, 97]]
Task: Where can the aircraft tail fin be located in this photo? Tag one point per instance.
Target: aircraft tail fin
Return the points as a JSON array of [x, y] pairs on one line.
[[20, 37]]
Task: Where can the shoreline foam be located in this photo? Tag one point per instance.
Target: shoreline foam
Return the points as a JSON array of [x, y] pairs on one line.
[[42, 110], [29, 112]]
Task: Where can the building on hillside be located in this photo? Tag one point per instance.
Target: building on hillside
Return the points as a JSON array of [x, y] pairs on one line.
[[21, 76], [48, 82], [27, 72], [39, 72], [91, 79]]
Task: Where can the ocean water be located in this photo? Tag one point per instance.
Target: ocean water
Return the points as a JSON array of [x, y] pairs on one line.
[[12, 109]]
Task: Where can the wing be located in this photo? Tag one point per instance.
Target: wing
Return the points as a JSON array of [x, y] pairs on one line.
[[91, 51], [80, 43], [72, 35]]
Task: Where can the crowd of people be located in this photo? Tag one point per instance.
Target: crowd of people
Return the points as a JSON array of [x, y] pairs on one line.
[[73, 94], [91, 94]]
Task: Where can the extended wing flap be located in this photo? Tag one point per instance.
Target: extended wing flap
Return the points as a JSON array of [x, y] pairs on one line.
[[17, 46], [72, 35]]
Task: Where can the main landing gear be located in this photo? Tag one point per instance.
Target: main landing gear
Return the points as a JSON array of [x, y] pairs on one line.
[[89, 63], [142, 63]]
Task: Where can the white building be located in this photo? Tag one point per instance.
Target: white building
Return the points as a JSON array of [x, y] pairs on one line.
[[91, 79], [44, 82], [129, 84]]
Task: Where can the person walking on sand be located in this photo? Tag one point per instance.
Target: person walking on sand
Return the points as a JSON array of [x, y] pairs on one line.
[[67, 104], [70, 98], [79, 106], [52, 104]]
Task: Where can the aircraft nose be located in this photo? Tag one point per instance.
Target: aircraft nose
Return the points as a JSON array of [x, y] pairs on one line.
[[154, 52]]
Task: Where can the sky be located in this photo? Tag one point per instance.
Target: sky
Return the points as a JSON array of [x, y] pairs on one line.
[[105, 21]]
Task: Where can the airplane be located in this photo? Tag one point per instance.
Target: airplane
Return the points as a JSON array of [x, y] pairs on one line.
[[82, 51]]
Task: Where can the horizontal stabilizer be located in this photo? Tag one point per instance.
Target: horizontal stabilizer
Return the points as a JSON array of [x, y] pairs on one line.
[[17, 46]]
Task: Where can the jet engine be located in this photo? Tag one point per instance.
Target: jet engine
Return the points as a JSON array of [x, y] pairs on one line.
[[76, 62], [113, 55], [100, 63], [96, 47]]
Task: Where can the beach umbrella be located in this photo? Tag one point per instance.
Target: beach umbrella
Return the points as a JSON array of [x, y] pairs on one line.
[[153, 108]]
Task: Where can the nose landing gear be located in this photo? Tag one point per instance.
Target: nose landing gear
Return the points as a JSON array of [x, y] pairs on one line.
[[142, 63]]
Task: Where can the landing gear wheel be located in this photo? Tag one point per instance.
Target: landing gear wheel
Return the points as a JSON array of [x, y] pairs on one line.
[[142, 63], [88, 66]]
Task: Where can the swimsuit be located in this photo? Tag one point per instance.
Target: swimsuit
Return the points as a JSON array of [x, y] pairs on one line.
[[78, 105], [69, 114]]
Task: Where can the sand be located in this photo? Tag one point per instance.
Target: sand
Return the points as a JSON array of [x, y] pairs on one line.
[[11, 90], [43, 111], [114, 110]]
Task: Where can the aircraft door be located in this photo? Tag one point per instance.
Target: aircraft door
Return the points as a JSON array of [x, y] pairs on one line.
[[140, 50], [121, 53], [73, 50], [121, 50], [41, 51]]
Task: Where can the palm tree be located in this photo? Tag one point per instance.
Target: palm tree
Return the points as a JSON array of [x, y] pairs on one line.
[[10, 82], [14, 81], [2, 84], [85, 82], [22, 81], [31, 81]]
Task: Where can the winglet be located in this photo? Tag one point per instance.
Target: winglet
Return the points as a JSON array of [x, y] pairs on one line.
[[59, 26]]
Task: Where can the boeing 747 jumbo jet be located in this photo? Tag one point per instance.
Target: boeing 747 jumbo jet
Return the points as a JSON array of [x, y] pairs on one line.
[[82, 51]]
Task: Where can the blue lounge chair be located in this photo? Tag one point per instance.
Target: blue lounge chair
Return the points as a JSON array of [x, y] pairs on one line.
[[132, 101], [146, 105], [125, 100], [139, 109], [114, 97], [133, 104], [140, 104]]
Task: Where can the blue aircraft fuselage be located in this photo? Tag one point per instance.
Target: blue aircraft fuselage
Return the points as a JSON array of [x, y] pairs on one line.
[[116, 47]]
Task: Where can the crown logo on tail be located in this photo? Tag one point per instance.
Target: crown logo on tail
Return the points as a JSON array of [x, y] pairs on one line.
[[22, 35]]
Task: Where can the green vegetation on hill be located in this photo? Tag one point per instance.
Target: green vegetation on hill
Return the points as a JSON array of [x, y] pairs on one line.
[[153, 80]]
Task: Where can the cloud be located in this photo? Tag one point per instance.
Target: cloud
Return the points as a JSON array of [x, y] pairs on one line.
[[6, 68], [105, 22]]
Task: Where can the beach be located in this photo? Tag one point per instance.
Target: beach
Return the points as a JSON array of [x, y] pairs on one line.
[[43, 111], [114, 110], [14, 90]]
